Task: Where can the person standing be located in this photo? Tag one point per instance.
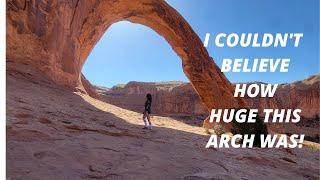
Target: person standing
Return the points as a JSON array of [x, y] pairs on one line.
[[147, 112]]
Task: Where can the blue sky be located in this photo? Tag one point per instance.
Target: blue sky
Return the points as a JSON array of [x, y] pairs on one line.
[[133, 52]]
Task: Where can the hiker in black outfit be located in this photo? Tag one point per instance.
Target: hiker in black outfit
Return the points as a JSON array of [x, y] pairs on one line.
[[147, 112]]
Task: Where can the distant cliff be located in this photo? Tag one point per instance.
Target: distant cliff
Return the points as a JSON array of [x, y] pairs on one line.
[[175, 97], [304, 95]]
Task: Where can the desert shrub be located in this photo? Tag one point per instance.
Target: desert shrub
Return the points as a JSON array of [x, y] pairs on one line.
[[257, 128], [314, 138], [219, 129]]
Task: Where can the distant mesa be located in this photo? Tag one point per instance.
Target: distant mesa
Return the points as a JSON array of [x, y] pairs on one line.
[[182, 99]]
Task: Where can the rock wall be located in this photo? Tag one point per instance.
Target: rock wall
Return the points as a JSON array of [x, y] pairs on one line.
[[180, 98], [304, 95], [89, 88], [169, 98], [57, 37]]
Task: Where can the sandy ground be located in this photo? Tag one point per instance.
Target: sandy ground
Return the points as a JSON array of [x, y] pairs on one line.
[[53, 133]]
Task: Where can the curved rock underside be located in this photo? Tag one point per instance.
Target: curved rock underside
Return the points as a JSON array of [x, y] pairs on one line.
[[57, 37]]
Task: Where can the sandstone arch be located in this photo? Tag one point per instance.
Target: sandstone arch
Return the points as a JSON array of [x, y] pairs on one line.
[[57, 37]]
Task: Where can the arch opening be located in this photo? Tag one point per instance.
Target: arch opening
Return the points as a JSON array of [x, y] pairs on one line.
[[131, 60], [132, 52]]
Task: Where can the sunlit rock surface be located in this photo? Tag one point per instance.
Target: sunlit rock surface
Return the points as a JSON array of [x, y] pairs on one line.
[[53, 133]]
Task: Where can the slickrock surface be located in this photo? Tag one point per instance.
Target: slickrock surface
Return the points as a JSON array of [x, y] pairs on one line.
[[53, 133]]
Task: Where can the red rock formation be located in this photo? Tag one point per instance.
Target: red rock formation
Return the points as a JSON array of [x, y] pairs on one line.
[[89, 89], [52, 133], [57, 37], [169, 98], [304, 95], [180, 98]]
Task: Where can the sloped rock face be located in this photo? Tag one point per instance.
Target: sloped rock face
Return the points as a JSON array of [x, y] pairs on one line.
[[53, 133], [57, 37], [89, 89]]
